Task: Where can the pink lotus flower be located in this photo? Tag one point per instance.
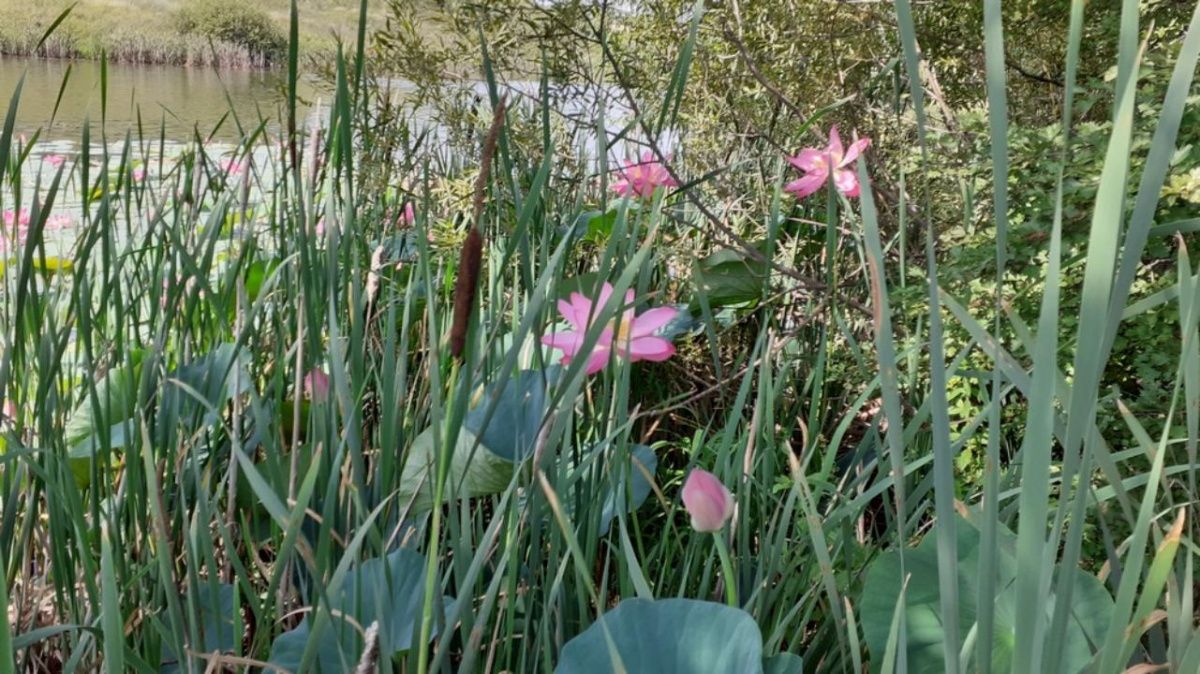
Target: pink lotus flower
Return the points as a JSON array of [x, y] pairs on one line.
[[11, 241], [59, 222], [407, 217], [8, 414], [20, 218], [630, 336], [316, 385], [139, 174], [55, 160], [819, 164], [641, 178], [707, 501], [233, 167]]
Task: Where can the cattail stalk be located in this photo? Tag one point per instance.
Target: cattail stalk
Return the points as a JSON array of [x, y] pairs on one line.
[[470, 258]]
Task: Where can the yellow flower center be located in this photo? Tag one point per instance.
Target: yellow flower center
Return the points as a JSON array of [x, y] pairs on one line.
[[621, 328]]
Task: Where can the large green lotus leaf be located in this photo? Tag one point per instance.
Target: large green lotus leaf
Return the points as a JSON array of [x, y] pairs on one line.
[[115, 393], [116, 397], [667, 636], [389, 590], [519, 405], [488, 450], [1091, 609], [192, 394], [474, 471], [627, 494], [683, 323], [217, 633], [923, 622], [195, 392], [784, 663], [288, 651]]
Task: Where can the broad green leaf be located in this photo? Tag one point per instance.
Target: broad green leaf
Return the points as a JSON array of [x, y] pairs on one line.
[[784, 663], [666, 636], [627, 494], [196, 391], [387, 590], [217, 627], [499, 432], [588, 285], [256, 276], [193, 394], [507, 417], [730, 277], [1090, 611], [115, 395], [599, 225]]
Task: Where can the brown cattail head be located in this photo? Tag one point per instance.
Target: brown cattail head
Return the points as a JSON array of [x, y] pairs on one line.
[[471, 256], [485, 160], [469, 261]]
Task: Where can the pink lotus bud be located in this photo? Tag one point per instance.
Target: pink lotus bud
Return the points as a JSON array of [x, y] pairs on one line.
[[707, 501], [316, 385], [9, 413], [139, 174], [407, 217]]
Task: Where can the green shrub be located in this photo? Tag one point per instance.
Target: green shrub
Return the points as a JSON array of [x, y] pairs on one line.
[[233, 22]]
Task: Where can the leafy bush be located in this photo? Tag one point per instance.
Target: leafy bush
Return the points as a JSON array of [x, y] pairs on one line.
[[233, 22]]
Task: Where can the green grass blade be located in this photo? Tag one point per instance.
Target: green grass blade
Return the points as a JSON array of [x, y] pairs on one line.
[[993, 34], [111, 616], [943, 462], [8, 657]]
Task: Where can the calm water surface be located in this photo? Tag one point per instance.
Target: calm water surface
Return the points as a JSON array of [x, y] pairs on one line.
[[59, 98], [177, 98]]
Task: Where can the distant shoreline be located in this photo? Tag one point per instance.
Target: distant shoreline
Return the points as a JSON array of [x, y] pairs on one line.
[[226, 34], [223, 57]]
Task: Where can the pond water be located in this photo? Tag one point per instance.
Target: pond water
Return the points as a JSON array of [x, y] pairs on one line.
[[60, 96]]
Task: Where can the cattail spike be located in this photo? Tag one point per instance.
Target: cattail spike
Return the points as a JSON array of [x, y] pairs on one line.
[[470, 258]]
